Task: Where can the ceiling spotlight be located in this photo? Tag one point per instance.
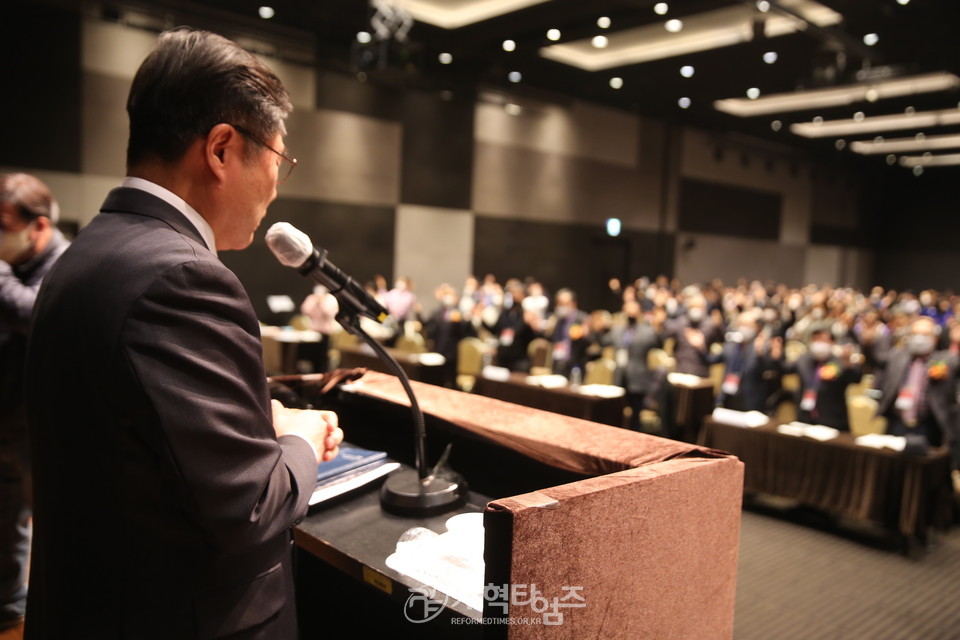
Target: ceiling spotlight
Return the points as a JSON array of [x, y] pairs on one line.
[[364, 37], [613, 226], [859, 116], [878, 140], [616, 83], [818, 120], [770, 57], [872, 95], [661, 8], [553, 34], [763, 6], [686, 71], [840, 145], [445, 58], [920, 137], [603, 22], [871, 39], [266, 12], [673, 25], [776, 125], [918, 170], [514, 76], [684, 102], [903, 2], [753, 93], [911, 111], [600, 42], [891, 159], [509, 45]]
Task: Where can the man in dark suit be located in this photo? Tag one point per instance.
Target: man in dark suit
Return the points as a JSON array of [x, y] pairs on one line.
[[633, 342], [824, 379], [752, 366], [918, 387], [568, 331], [166, 485], [694, 333]]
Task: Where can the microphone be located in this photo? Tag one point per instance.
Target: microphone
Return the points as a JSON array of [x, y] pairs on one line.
[[293, 248]]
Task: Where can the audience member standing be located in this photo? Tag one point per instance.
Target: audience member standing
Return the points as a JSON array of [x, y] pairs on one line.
[[632, 343], [824, 379], [321, 307], [751, 360], [30, 243], [567, 329]]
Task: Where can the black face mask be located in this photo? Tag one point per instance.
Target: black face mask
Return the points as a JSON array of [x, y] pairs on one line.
[[631, 319]]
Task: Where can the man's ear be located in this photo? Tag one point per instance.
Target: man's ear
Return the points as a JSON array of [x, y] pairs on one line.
[[222, 143]]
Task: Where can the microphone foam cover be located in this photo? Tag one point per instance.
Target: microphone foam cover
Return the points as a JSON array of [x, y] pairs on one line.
[[291, 246]]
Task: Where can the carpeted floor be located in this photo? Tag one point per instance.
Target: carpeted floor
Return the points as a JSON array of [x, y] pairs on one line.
[[805, 576]]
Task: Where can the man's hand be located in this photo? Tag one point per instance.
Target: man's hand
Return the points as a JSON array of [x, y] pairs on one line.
[[319, 428]]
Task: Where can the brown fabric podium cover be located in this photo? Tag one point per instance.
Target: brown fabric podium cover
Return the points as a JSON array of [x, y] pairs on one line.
[[648, 545]]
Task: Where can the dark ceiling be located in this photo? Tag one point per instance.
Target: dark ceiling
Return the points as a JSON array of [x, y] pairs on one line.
[[917, 37]]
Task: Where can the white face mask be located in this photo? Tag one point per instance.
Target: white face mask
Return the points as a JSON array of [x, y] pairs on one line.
[[14, 244], [920, 344], [820, 350], [695, 314]]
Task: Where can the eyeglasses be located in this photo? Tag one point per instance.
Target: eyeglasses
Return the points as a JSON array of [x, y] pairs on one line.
[[292, 161]]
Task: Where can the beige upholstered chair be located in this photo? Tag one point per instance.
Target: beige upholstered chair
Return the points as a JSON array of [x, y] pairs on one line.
[[793, 349], [862, 412], [470, 352], [541, 356], [600, 371], [660, 359], [411, 343]]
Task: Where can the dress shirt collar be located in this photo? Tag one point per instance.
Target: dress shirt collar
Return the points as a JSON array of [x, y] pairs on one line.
[[197, 220]]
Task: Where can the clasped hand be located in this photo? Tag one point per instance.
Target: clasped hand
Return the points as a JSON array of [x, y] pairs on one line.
[[319, 428]]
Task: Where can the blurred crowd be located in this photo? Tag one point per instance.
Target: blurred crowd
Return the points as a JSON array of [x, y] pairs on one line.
[[749, 335]]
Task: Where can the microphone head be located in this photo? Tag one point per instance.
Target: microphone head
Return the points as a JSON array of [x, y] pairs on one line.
[[291, 246]]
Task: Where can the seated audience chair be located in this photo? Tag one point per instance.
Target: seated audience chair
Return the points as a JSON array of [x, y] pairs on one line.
[[470, 352], [862, 411]]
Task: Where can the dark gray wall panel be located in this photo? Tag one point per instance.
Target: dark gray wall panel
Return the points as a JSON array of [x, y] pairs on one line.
[[710, 207], [359, 240]]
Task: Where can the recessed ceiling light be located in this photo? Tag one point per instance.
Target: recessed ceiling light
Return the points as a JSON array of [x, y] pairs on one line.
[[684, 102], [687, 71], [616, 83], [903, 2], [266, 12], [514, 76], [445, 58], [871, 39], [770, 57], [858, 116], [753, 93], [776, 125], [920, 137], [763, 6], [509, 45], [661, 8], [818, 120], [918, 170], [673, 25], [891, 159], [603, 22], [600, 42], [840, 145], [553, 34], [910, 111]]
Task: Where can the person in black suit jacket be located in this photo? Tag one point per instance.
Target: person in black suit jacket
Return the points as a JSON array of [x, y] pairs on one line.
[[166, 483], [633, 342], [752, 361], [824, 379], [918, 387]]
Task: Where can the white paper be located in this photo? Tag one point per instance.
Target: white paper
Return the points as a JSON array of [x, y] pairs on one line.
[[602, 390], [491, 372], [882, 440], [683, 379], [740, 418], [816, 431], [549, 381]]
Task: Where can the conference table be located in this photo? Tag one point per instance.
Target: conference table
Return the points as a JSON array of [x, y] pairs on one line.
[[422, 367], [575, 401], [907, 494]]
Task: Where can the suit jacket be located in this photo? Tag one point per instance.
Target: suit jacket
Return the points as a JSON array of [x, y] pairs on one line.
[[940, 394], [637, 341], [756, 371], [163, 500], [690, 359], [831, 398]]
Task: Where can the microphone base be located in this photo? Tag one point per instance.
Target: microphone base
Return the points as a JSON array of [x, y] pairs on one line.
[[404, 494]]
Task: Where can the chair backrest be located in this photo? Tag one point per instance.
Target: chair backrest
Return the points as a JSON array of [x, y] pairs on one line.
[[793, 349], [541, 353], [470, 352], [862, 413], [600, 371], [660, 359], [301, 322], [411, 343]]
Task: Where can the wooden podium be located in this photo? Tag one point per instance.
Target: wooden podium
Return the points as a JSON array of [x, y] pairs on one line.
[[590, 531]]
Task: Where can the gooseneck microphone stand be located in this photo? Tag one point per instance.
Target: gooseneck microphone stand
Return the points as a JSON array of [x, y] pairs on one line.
[[415, 492]]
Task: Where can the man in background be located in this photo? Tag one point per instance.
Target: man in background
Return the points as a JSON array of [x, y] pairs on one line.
[[29, 245], [166, 484]]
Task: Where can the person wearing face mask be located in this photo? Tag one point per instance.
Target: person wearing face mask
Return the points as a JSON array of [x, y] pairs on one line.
[[444, 330], [30, 244], [694, 333], [632, 342], [568, 330], [824, 378], [753, 365], [918, 387], [515, 328]]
